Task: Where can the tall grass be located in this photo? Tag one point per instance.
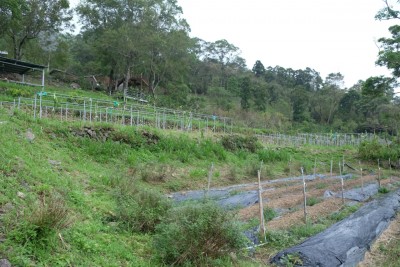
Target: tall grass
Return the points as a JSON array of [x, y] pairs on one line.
[[193, 234]]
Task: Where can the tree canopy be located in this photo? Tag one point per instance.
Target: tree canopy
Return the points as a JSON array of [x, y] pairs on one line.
[[146, 46], [24, 20]]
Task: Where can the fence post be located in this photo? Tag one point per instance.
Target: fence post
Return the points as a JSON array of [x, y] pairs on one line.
[[304, 195], [342, 182], [210, 174], [84, 110], [34, 107], [131, 116], [315, 166], [262, 222], [361, 177], [40, 105]]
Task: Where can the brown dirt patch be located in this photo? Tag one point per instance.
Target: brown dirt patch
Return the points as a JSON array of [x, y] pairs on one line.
[[290, 196]]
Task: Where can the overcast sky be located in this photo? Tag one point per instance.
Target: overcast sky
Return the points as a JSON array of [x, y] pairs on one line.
[[326, 35]]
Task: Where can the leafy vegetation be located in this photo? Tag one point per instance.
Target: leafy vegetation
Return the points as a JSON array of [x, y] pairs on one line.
[[68, 197], [138, 208], [187, 73], [197, 233], [377, 151]]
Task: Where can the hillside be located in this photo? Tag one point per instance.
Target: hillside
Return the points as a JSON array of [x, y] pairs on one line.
[[86, 193]]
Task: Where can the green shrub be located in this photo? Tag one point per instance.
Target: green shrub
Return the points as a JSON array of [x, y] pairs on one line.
[[311, 201], [41, 219], [306, 230], [157, 173], [269, 214], [383, 190], [140, 209], [269, 155], [236, 142], [185, 149], [193, 233], [343, 213], [373, 150]]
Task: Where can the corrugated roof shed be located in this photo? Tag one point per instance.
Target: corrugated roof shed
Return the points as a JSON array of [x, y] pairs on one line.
[[8, 65]]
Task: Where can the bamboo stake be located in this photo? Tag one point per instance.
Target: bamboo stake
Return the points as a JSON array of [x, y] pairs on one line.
[[260, 202], [379, 177], [210, 174], [379, 174], [343, 163], [304, 195], [315, 166], [342, 182], [361, 178]]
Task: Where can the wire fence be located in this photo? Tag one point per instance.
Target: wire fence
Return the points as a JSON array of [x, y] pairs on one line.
[[73, 108], [328, 139], [76, 108]]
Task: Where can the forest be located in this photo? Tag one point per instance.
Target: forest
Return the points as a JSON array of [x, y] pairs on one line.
[[146, 46]]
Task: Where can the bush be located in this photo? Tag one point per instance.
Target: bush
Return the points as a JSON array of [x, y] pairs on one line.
[[373, 150], [269, 155], [269, 214], [41, 219], [311, 201], [194, 233], [140, 209], [236, 142], [383, 190]]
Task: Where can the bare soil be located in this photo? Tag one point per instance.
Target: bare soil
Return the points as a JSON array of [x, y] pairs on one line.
[[289, 197]]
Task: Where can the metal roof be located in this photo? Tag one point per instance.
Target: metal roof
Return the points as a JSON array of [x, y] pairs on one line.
[[8, 65]]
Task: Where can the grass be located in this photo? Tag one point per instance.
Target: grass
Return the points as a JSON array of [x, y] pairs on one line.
[[86, 175], [389, 253], [89, 173]]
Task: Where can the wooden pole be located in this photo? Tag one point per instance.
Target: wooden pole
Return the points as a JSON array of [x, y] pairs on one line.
[[379, 174], [210, 174], [379, 177], [260, 202], [343, 164], [315, 166], [331, 167], [342, 182], [361, 177], [34, 107], [390, 170], [304, 195]]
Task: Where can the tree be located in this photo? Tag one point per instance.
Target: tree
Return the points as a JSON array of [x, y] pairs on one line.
[[348, 105], [380, 86], [245, 92], [325, 103], [147, 37], [24, 20], [375, 91], [300, 102], [260, 93], [335, 79], [389, 56], [227, 57], [258, 69]]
